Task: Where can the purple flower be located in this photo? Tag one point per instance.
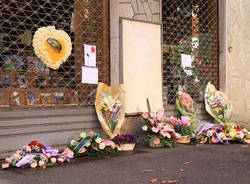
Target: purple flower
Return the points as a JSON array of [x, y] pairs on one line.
[[120, 138], [131, 138]]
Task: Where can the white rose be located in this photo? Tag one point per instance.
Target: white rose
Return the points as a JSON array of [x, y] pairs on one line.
[[53, 160], [41, 163], [98, 140], [240, 135], [178, 135], [33, 165], [17, 156], [221, 135], [145, 128], [83, 135], [73, 142], [87, 144], [101, 146], [8, 159], [210, 133]]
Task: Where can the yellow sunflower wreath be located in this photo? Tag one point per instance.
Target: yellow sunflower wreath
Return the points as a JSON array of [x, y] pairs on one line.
[[52, 46]]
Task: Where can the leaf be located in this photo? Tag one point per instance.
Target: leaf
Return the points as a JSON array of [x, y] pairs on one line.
[[186, 163], [148, 105], [244, 146], [155, 180], [172, 181]]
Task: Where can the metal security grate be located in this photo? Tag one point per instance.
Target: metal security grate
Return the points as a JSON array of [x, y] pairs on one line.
[[190, 27], [24, 80]]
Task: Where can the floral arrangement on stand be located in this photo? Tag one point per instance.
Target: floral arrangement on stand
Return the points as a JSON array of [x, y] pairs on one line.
[[125, 142], [160, 133], [92, 145], [185, 105], [182, 128], [36, 154]]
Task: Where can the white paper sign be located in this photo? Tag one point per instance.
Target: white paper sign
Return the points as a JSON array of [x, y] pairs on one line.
[[90, 55], [89, 75], [186, 60]]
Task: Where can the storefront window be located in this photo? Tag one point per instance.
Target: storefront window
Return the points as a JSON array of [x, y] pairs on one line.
[[190, 44], [24, 79]]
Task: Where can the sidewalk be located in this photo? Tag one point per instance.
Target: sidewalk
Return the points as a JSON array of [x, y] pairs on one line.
[[212, 164]]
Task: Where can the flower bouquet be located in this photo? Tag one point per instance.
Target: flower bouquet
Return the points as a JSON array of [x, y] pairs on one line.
[[182, 128], [217, 105], [185, 105], [160, 133], [126, 142], [212, 134], [110, 108], [92, 145], [36, 154]]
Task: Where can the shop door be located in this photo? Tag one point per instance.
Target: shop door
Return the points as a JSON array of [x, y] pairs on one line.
[[190, 27]]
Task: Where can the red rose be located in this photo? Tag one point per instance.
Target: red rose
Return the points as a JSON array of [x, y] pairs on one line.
[[40, 145], [33, 143]]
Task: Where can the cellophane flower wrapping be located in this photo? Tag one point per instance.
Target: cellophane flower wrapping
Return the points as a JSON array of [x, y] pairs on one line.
[[110, 108], [218, 105], [185, 105]]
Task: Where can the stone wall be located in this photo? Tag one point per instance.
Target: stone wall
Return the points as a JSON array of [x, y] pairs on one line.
[[238, 58]]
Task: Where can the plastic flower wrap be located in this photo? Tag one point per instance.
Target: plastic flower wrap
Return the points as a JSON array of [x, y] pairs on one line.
[[110, 109], [185, 105], [52, 46], [218, 105]]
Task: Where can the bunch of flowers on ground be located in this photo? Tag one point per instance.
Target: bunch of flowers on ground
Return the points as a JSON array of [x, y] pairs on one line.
[[92, 145], [217, 105], [160, 133], [212, 134], [36, 154]]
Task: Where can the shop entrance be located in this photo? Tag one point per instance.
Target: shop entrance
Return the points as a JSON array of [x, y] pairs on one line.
[[190, 27]]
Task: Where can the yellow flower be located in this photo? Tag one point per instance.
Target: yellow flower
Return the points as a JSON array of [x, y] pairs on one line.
[[218, 109], [52, 56], [232, 133]]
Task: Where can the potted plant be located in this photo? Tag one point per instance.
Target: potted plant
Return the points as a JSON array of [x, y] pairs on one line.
[[182, 127], [126, 142]]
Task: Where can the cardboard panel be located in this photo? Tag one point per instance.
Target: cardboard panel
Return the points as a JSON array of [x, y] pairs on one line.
[[141, 65]]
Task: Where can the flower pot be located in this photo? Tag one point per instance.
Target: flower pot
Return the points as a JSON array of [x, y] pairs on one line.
[[183, 139], [127, 146]]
